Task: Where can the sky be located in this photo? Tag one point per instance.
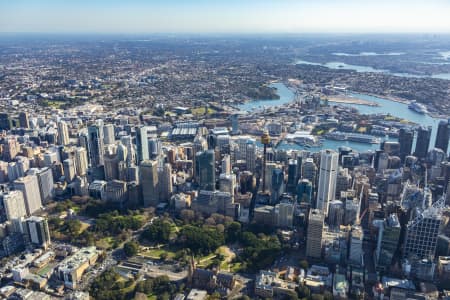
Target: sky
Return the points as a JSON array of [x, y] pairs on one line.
[[225, 16]]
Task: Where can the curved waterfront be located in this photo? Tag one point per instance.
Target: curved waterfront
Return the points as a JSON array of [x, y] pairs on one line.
[[396, 109]]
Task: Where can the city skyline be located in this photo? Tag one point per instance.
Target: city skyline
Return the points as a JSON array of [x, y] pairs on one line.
[[200, 16]]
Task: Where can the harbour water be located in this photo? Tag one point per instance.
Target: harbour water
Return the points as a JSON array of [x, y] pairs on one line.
[[362, 69], [286, 96], [396, 109]]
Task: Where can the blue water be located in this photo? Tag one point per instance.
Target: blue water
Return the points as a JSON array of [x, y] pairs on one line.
[[286, 96], [336, 65], [396, 109]]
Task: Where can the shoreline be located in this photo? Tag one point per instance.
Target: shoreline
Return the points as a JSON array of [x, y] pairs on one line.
[[351, 100]]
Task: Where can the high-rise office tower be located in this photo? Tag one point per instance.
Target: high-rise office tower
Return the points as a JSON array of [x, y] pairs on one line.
[[327, 179], [423, 142], [11, 148], [356, 242], [200, 144], [422, 234], [23, 120], [241, 142], [154, 147], [29, 186], [292, 176], [343, 181], [309, 170], [443, 135], [205, 170], [95, 134], [81, 161], [46, 183], [284, 214], [109, 136], [265, 140], [314, 234], [335, 214], [235, 124], [250, 155], [387, 242], [63, 133], [142, 143], [14, 204], [405, 139], [38, 231], [116, 192], [227, 183], [69, 169], [277, 185], [5, 121], [148, 178], [131, 152], [226, 164], [223, 143], [111, 163], [166, 187], [304, 191]]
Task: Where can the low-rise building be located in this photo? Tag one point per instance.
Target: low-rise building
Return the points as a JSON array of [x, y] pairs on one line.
[[72, 268]]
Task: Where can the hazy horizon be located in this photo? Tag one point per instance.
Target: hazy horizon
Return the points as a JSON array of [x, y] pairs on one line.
[[224, 17]]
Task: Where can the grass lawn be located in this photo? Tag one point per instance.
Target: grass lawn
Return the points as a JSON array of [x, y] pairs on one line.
[[84, 226], [105, 243], [201, 111], [156, 253]]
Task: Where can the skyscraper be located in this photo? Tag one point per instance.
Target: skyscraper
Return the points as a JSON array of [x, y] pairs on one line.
[[292, 176], [327, 179], [314, 234], [166, 187], [142, 144], [148, 178], [69, 169], [405, 139], [81, 161], [277, 187], [23, 120], [38, 231], [226, 164], [63, 133], [388, 237], [95, 139], [108, 134], [5, 121], [423, 142], [422, 234], [304, 191], [250, 155], [356, 242], [443, 135], [45, 180], [205, 170], [30, 188], [14, 204], [309, 170]]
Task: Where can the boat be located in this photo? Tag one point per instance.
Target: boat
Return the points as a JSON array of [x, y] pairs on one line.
[[418, 107]]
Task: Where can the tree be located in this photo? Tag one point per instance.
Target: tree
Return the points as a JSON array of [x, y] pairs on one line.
[[201, 240], [327, 295], [158, 232], [131, 248], [304, 264], [232, 232], [290, 295], [303, 291], [73, 226], [317, 297]]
